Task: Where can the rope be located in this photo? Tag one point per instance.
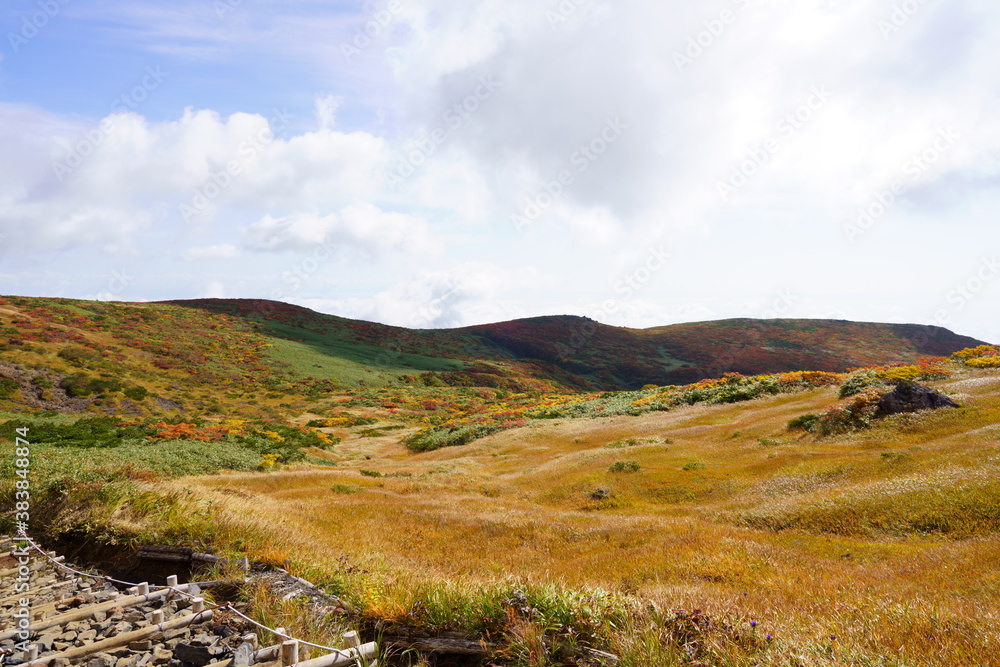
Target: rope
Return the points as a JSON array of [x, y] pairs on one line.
[[227, 606]]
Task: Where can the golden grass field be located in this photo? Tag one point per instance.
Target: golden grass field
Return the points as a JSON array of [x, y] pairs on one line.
[[873, 548]]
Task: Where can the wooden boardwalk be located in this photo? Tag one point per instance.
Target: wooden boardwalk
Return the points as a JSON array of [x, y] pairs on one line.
[[50, 615]]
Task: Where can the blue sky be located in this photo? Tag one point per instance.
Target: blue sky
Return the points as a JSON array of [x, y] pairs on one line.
[[639, 162]]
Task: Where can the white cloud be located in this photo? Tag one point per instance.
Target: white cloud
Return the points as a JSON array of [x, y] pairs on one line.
[[361, 225], [70, 187], [222, 251]]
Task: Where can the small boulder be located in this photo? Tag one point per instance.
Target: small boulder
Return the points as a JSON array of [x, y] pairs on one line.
[[911, 397]]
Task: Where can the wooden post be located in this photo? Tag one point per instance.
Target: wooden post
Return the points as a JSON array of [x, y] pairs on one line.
[[197, 605], [31, 653], [157, 617], [345, 658], [352, 639], [172, 581], [143, 588], [289, 652]]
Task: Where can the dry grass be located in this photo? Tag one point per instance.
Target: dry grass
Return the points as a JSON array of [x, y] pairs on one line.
[[875, 548]]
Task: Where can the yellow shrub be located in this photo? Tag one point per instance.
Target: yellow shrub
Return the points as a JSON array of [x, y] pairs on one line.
[[268, 461], [975, 352], [984, 362]]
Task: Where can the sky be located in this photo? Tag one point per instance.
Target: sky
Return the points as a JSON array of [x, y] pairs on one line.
[[439, 163]]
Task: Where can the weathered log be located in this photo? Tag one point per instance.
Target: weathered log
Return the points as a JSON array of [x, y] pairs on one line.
[[445, 642], [206, 558], [167, 549], [163, 556]]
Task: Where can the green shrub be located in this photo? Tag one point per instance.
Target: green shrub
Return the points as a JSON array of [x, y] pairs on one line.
[[804, 423], [625, 466], [449, 436], [694, 466], [8, 387], [80, 385], [136, 393], [370, 473], [78, 356], [344, 488], [858, 381], [42, 381]]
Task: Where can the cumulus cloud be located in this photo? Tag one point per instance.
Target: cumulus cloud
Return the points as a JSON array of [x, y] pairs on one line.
[[360, 225], [72, 186]]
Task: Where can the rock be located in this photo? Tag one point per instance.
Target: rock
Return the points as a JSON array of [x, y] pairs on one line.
[[198, 655], [243, 656], [119, 628], [134, 616], [162, 656], [60, 645], [175, 633], [911, 397], [46, 642], [100, 616], [145, 645], [224, 631], [87, 636], [101, 660]]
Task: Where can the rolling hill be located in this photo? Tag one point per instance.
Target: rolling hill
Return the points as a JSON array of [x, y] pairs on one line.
[[62, 354]]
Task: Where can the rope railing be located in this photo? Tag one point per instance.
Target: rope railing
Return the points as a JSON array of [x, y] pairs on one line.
[[22, 535]]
